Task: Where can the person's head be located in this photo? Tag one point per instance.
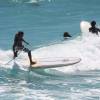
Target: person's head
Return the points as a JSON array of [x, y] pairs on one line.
[[20, 33], [93, 23], [66, 35]]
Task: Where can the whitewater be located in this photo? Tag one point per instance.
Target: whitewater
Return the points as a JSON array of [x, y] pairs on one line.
[[85, 47], [44, 22]]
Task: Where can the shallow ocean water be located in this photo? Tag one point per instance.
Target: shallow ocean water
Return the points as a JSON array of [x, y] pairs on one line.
[[44, 22]]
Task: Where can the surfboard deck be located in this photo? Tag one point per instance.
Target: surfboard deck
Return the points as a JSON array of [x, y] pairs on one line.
[[53, 63]]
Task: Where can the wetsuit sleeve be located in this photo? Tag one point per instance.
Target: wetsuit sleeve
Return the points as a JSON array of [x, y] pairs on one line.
[[98, 30]]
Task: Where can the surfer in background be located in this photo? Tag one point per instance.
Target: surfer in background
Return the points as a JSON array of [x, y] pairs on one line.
[[18, 45], [93, 28], [66, 35]]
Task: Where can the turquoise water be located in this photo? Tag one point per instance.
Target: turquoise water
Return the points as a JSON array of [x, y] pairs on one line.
[[44, 22]]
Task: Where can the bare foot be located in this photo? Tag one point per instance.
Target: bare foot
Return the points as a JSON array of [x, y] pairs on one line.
[[32, 63]]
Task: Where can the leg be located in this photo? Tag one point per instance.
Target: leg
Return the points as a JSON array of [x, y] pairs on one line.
[[29, 55], [15, 54], [30, 58], [15, 51]]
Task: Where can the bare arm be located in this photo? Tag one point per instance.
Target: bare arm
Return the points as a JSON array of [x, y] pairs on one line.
[[25, 42]]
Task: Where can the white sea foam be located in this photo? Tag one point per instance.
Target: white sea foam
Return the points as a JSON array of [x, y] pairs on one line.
[[26, 1]]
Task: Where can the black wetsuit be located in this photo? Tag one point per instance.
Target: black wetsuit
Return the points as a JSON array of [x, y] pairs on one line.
[[94, 30]]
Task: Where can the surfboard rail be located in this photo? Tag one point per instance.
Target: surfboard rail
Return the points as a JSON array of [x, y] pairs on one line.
[[60, 63]]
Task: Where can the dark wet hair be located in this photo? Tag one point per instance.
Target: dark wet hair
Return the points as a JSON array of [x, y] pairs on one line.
[[66, 34], [93, 23], [20, 33]]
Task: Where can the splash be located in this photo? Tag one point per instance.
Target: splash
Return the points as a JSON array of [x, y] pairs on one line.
[[5, 57], [86, 48]]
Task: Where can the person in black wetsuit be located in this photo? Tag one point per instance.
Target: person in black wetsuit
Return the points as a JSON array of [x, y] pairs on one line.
[[66, 35], [18, 45], [93, 29]]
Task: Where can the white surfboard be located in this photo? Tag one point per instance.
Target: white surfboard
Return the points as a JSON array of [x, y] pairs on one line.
[[84, 27], [55, 62]]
